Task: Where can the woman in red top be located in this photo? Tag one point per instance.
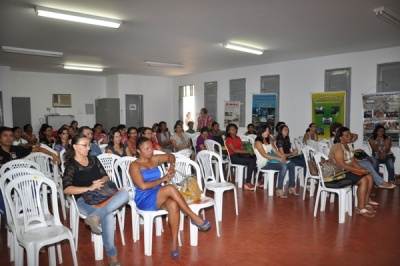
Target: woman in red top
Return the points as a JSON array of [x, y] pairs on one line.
[[148, 133], [131, 141], [238, 155]]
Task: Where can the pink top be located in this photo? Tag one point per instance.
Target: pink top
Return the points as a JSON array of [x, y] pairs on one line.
[[204, 122]]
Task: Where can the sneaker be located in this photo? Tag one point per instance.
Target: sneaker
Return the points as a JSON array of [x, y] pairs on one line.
[[249, 187], [260, 184]]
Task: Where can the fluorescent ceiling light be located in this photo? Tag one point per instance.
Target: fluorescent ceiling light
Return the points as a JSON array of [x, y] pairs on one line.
[[85, 68], [161, 64], [388, 15], [243, 48], [77, 17], [10, 49]]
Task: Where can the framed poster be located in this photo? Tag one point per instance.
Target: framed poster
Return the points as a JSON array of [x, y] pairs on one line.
[[263, 110], [231, 113]]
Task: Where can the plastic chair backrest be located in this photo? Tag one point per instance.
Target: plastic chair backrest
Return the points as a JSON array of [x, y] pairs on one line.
[[185, 153], [318, 156], [205, 160], [45, 163], [307, 152], [44, 146], [102, 147], [120, 167], [62, 155], [108, 160], [28, 190], [19, 163], [185, 166], [194, 141]]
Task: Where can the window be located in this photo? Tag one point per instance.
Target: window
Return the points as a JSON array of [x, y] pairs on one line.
[[210, 98], [186, 103], [237, 93], [388, 77], [271, 84], [340, 80]]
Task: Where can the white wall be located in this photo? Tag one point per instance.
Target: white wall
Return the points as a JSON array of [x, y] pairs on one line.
[[40, 87], [297, 80], [158, 97]]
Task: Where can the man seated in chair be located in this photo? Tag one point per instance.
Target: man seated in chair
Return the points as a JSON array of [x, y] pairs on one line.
[[10, 152]]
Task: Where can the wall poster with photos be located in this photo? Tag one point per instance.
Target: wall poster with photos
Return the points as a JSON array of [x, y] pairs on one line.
[[327, 108], [231, 113], [381, 109], [264, 110]]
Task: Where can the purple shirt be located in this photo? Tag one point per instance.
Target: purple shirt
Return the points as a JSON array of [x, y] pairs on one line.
[[200, 141]]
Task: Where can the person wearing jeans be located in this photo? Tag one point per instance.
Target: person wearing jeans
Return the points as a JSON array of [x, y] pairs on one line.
[[83, 173]]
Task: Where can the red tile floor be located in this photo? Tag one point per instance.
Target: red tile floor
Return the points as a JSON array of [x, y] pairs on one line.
[[267, 231]]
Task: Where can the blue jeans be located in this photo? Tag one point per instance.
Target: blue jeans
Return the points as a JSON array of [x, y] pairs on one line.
[[282, 168], [389, 166], [106, 216], [377, 178]]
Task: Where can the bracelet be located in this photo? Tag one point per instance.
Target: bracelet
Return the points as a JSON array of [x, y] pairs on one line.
[[172, 164]]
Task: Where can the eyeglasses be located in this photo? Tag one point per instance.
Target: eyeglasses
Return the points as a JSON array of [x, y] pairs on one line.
[[84, 145]]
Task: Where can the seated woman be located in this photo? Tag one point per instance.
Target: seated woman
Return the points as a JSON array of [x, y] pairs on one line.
[[131, 141], [122, 129], [204, 134], [311, 133], [238, 155], [48, 138], [285, 147], [381, 153], [99, 136], [88, 132], [164, 137], [269, 158], [115, 146], [217, 134], [62, 141], [251, 130], [18, 140], [334, 127], [360, 176], [148, 133], [83, 173], [28, 134], [180, 141], [150, 195]]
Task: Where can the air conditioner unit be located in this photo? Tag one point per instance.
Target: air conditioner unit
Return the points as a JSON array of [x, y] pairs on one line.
[[62, 100]]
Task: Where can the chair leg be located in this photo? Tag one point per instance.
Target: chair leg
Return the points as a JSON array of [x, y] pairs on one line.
[[317, 202], [148, 234], [98, 246]]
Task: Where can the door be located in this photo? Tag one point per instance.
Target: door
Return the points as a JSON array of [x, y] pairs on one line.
[[134, 110], [21, 110]]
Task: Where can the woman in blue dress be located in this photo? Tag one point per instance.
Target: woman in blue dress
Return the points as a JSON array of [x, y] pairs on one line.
[[151, 195]]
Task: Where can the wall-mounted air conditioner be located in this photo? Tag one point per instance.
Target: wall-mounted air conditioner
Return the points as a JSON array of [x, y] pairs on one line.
[[62, 100]]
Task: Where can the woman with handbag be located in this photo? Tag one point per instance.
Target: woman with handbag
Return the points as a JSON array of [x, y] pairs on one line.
[[381, 153], [86, 173], [269, 158], [151, 195], [342, 153]]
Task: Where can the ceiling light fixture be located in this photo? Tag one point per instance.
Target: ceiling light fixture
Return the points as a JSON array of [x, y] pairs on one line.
[[161, 64], [85, 68], [10, 49], [388, 15], [77, 17], [243, 48]]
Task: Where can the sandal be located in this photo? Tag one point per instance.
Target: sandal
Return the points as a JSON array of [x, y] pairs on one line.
[[94, 225], [204, 227], [387, 185], [373, 203], [175, 253], [370, 208], [364, 212]]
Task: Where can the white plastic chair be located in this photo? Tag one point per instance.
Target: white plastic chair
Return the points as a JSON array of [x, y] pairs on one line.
[[74, 221], [298, 143], [239, 171], [345, 194], [204, 159], [121, 167], [269, 181], [185, 166], [19, 163], [52, 150], [108, 161], [102, 146], [307, 152], [11, 236], [185, 153], [210, 145], [24, 195], [52, 171]]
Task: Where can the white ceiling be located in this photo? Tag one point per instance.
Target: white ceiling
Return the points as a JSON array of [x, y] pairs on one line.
[[191, 32]]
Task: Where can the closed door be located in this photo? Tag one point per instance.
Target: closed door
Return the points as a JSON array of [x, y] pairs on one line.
[[21, 108], [134, 110]]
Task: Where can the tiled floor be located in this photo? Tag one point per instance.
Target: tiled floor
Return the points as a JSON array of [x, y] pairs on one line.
[[268, 231]]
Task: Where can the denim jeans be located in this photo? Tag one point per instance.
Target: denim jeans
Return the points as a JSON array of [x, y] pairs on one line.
[[283, 168], [377, 178], [106, 216], [389, 166]]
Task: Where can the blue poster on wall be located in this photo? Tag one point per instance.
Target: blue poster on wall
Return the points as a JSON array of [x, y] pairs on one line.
[[264, 110]]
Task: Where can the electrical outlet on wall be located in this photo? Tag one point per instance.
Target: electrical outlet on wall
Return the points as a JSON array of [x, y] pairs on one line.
[[48, 109]]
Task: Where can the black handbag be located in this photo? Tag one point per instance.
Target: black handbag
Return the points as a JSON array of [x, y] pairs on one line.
[[362, 156], [97, 196]]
